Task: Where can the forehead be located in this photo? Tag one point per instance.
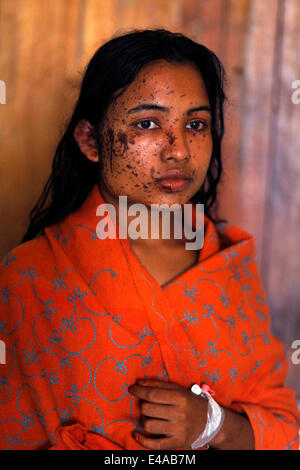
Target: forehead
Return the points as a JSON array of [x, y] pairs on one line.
[[164, 83]]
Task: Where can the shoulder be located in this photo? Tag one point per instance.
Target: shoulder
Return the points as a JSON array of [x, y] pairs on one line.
[[231, 234], [28, 258], [27, 276], [223, 237]]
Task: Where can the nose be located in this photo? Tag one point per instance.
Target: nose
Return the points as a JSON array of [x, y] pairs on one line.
[[177, 147]]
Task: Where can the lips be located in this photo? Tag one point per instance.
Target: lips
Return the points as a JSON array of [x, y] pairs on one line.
[[176, 173], [174, 180]]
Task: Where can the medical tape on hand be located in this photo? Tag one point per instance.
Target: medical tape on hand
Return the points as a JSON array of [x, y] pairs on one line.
[[215, 416]]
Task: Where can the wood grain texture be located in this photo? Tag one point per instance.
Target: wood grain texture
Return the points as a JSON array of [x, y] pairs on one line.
[[232, 47], [281, 229], [282, 218], [256, 120], [36, 45]]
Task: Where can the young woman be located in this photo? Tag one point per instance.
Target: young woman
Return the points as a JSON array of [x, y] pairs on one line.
[[106, 336]]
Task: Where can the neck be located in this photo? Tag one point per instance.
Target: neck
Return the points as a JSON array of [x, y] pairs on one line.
[[156, 229]]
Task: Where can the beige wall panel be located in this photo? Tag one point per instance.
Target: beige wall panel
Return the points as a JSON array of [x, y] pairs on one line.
[[35, 43]]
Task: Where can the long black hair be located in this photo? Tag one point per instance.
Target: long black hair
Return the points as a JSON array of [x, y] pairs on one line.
[[114, 66]]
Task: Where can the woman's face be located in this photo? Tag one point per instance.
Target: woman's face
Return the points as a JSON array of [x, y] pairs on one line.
[[142, 144]]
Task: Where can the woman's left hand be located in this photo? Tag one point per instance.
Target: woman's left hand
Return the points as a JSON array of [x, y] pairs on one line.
[[171, 410]]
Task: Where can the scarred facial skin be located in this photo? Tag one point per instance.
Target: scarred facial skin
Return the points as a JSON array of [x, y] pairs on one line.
[[140, 146]]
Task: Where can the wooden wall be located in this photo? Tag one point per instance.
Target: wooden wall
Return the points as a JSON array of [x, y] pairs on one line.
[[44, 47]]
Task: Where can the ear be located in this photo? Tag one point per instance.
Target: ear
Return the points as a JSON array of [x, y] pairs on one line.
[[84, 134]]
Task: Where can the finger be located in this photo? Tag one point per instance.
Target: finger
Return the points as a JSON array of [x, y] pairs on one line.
[[154, 394], [158, 427], [155, 444], [158, 383], [151, 410]]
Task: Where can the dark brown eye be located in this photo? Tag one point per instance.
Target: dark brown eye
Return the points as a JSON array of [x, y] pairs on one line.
[[145, 124], [198, 125]]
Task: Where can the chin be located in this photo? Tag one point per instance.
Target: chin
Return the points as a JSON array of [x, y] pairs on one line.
[[172, 198]]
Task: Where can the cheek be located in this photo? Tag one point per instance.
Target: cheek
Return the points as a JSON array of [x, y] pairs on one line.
[[123, 162], [141, 146], [125, 150], [202, 146], [204, 138]]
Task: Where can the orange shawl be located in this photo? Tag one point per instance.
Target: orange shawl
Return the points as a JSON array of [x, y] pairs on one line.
[[82, 320]]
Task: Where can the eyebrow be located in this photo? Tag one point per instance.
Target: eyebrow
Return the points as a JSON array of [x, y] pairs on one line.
[[150, 106]]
